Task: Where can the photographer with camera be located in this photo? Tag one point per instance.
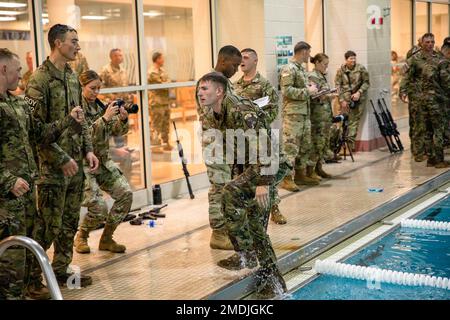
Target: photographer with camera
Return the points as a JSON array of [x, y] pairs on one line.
[[352, 79], [103, 122], [321, 115]]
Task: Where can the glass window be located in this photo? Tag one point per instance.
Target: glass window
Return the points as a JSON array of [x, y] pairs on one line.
[[439, 22], [15, 34], [401, 42], [421, 19], [107, 33]]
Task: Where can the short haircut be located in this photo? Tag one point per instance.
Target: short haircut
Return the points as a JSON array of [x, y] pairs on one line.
[[88, 76], [229, 52], [428, 35], [446, 40], [445, 46], [156, 55], [302, 45], [58, 31], [114, 50], [6, 54], [217, 78], [349, 54], [318, 58], [249, 50]]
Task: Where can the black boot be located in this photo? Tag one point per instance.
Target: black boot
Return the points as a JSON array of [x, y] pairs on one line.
[[239, 260]]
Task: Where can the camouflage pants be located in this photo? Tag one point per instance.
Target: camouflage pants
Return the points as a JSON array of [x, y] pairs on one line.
[[160, 120], [433, 130], [354, 117], [57, 218], [16, 219], [320, 135], [296, 140], [218, 175], [109, 179]]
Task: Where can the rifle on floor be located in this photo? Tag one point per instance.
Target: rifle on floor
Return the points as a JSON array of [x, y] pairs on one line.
[[383, 130], [395, 131], [183, 162]]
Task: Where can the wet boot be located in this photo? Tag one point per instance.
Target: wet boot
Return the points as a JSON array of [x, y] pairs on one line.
[[270, 285], [220, 240], [321, 173], [81, 242], [239, 260], [37, 291], [276, 216], [311, 173], [107, 242], [289, 184], [301, 179]]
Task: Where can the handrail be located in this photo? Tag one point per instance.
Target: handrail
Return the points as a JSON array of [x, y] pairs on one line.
[[41, 256]]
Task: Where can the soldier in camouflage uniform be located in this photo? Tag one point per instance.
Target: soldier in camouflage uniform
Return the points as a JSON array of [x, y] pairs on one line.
[[52, 90], [352, 79], [422, 69], [26, 76], [442, 81], [321, 114], [159, 102], [80, 64], [108, 177], [253, 85], [219, 174], [113, 75], [245, 199], [18, 171], [296, 90]]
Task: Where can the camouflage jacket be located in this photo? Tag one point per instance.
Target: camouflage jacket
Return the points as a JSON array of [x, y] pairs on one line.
[[113, 77], [158, 96], [319, 105], [52, 94], [359, 81], [294, 82], [259, 87], [80, 64], [19, 133], [24, 81], [420, 75], [442, 81], [101, 130]]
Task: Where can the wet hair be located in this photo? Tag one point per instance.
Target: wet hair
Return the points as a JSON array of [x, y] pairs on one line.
[[249, 50], [349, 54], [318, 58], [217, 78], [6, 54], [427, 35], [88, 76], [302, 45], [229, 51], [58, 31], [156, 55]]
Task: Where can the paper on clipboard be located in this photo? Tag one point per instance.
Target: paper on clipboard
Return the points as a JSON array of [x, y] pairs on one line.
[[262, 102]]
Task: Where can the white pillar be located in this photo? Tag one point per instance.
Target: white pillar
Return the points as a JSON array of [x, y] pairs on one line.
[[64, 12]]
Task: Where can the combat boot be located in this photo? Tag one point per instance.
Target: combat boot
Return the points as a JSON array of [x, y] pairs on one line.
[[270, 285], [442, 164], [321, 173], [81, 242], [276, 216], [84, 280], [107, 242], [419, 158], [220, 240], [301, 179], [37, 291], [288, 184], [239, 260], [311, 173]]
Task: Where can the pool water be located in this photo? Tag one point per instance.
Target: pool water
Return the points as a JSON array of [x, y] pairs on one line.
[[404, 249]]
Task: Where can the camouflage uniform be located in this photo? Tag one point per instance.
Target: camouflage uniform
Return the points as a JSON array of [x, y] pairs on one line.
[[108, 177], [359, 81], [159, 104], [428, 127], [80, 64], [113, 77], [52, 93], [321, 114], [24, 81], [257, 88], [296, 143], [442, 83], [18, 136]]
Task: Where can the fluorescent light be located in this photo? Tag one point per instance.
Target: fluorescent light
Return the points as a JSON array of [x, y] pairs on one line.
[[8, 19], [12, 13], [45, 20], [153, 13], [94, 17], [12, 5], [45, 15]]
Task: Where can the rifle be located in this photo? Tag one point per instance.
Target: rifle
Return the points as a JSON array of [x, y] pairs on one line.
[[383, 129], [324, 92], [183, 162], [396, 133]]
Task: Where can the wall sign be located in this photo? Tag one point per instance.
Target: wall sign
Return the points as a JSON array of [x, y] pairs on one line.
[[284, 50]]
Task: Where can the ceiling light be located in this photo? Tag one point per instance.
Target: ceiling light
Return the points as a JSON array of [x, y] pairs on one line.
[[153, 13], [12, 5], [8, 18], [45, 21], [12, 13], [94, 17], [45, 15]]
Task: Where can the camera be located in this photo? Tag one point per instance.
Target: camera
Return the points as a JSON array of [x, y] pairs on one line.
[[353, 104], [129, 107], [342, 117]]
